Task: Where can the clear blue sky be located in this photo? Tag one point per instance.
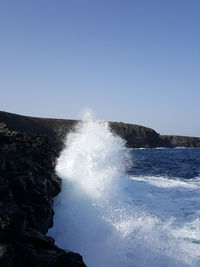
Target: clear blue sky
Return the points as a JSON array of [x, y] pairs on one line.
[[135, 61]]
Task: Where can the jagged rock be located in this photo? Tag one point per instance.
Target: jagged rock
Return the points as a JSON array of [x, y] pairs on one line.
[[28, 184], [6, 255]]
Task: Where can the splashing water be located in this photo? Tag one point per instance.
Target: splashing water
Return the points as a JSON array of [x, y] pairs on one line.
[[95, 215]]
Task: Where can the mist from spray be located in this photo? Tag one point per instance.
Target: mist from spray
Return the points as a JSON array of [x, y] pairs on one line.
[[95, 215]]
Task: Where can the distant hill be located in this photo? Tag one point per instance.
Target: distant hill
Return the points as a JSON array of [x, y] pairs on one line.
[[135, 135]]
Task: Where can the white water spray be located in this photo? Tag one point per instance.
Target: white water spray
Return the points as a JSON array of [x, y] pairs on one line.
[[95, 215]]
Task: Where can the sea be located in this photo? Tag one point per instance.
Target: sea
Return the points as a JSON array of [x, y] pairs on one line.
[[123, 207]]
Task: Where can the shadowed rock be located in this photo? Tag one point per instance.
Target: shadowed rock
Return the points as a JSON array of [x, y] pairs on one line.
[[28, 184]]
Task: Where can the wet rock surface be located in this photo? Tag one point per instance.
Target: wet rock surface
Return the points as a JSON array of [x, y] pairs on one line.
[[28, 184]]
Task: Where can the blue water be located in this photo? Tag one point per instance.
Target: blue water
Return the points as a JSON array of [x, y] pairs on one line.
[[124, 207], [168, 185], [178, 162]]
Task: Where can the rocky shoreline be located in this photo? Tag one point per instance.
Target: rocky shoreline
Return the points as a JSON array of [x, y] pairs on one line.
[[136, 136], [28, 184], [29, 148]]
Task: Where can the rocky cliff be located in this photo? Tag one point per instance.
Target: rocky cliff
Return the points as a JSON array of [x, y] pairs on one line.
[[28, 183], [135, 135], [179, 141], [139, 136], [29, 148]]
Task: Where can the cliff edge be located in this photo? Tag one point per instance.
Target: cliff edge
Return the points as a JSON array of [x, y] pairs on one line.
[[136, 136], [28, 183]]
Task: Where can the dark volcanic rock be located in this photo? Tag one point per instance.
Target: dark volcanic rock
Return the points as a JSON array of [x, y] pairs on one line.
[[28, 184], [135, 135], [179, 141]]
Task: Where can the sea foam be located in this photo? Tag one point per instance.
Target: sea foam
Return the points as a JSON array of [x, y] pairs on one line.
[[96, 214]]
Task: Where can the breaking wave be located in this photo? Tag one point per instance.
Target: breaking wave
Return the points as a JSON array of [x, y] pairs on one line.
[[110, 218]]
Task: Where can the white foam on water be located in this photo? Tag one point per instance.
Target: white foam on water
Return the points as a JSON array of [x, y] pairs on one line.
[[160, 181], [103, 215]]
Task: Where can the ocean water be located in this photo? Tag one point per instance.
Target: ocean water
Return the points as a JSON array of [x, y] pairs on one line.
[[124, 207]]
